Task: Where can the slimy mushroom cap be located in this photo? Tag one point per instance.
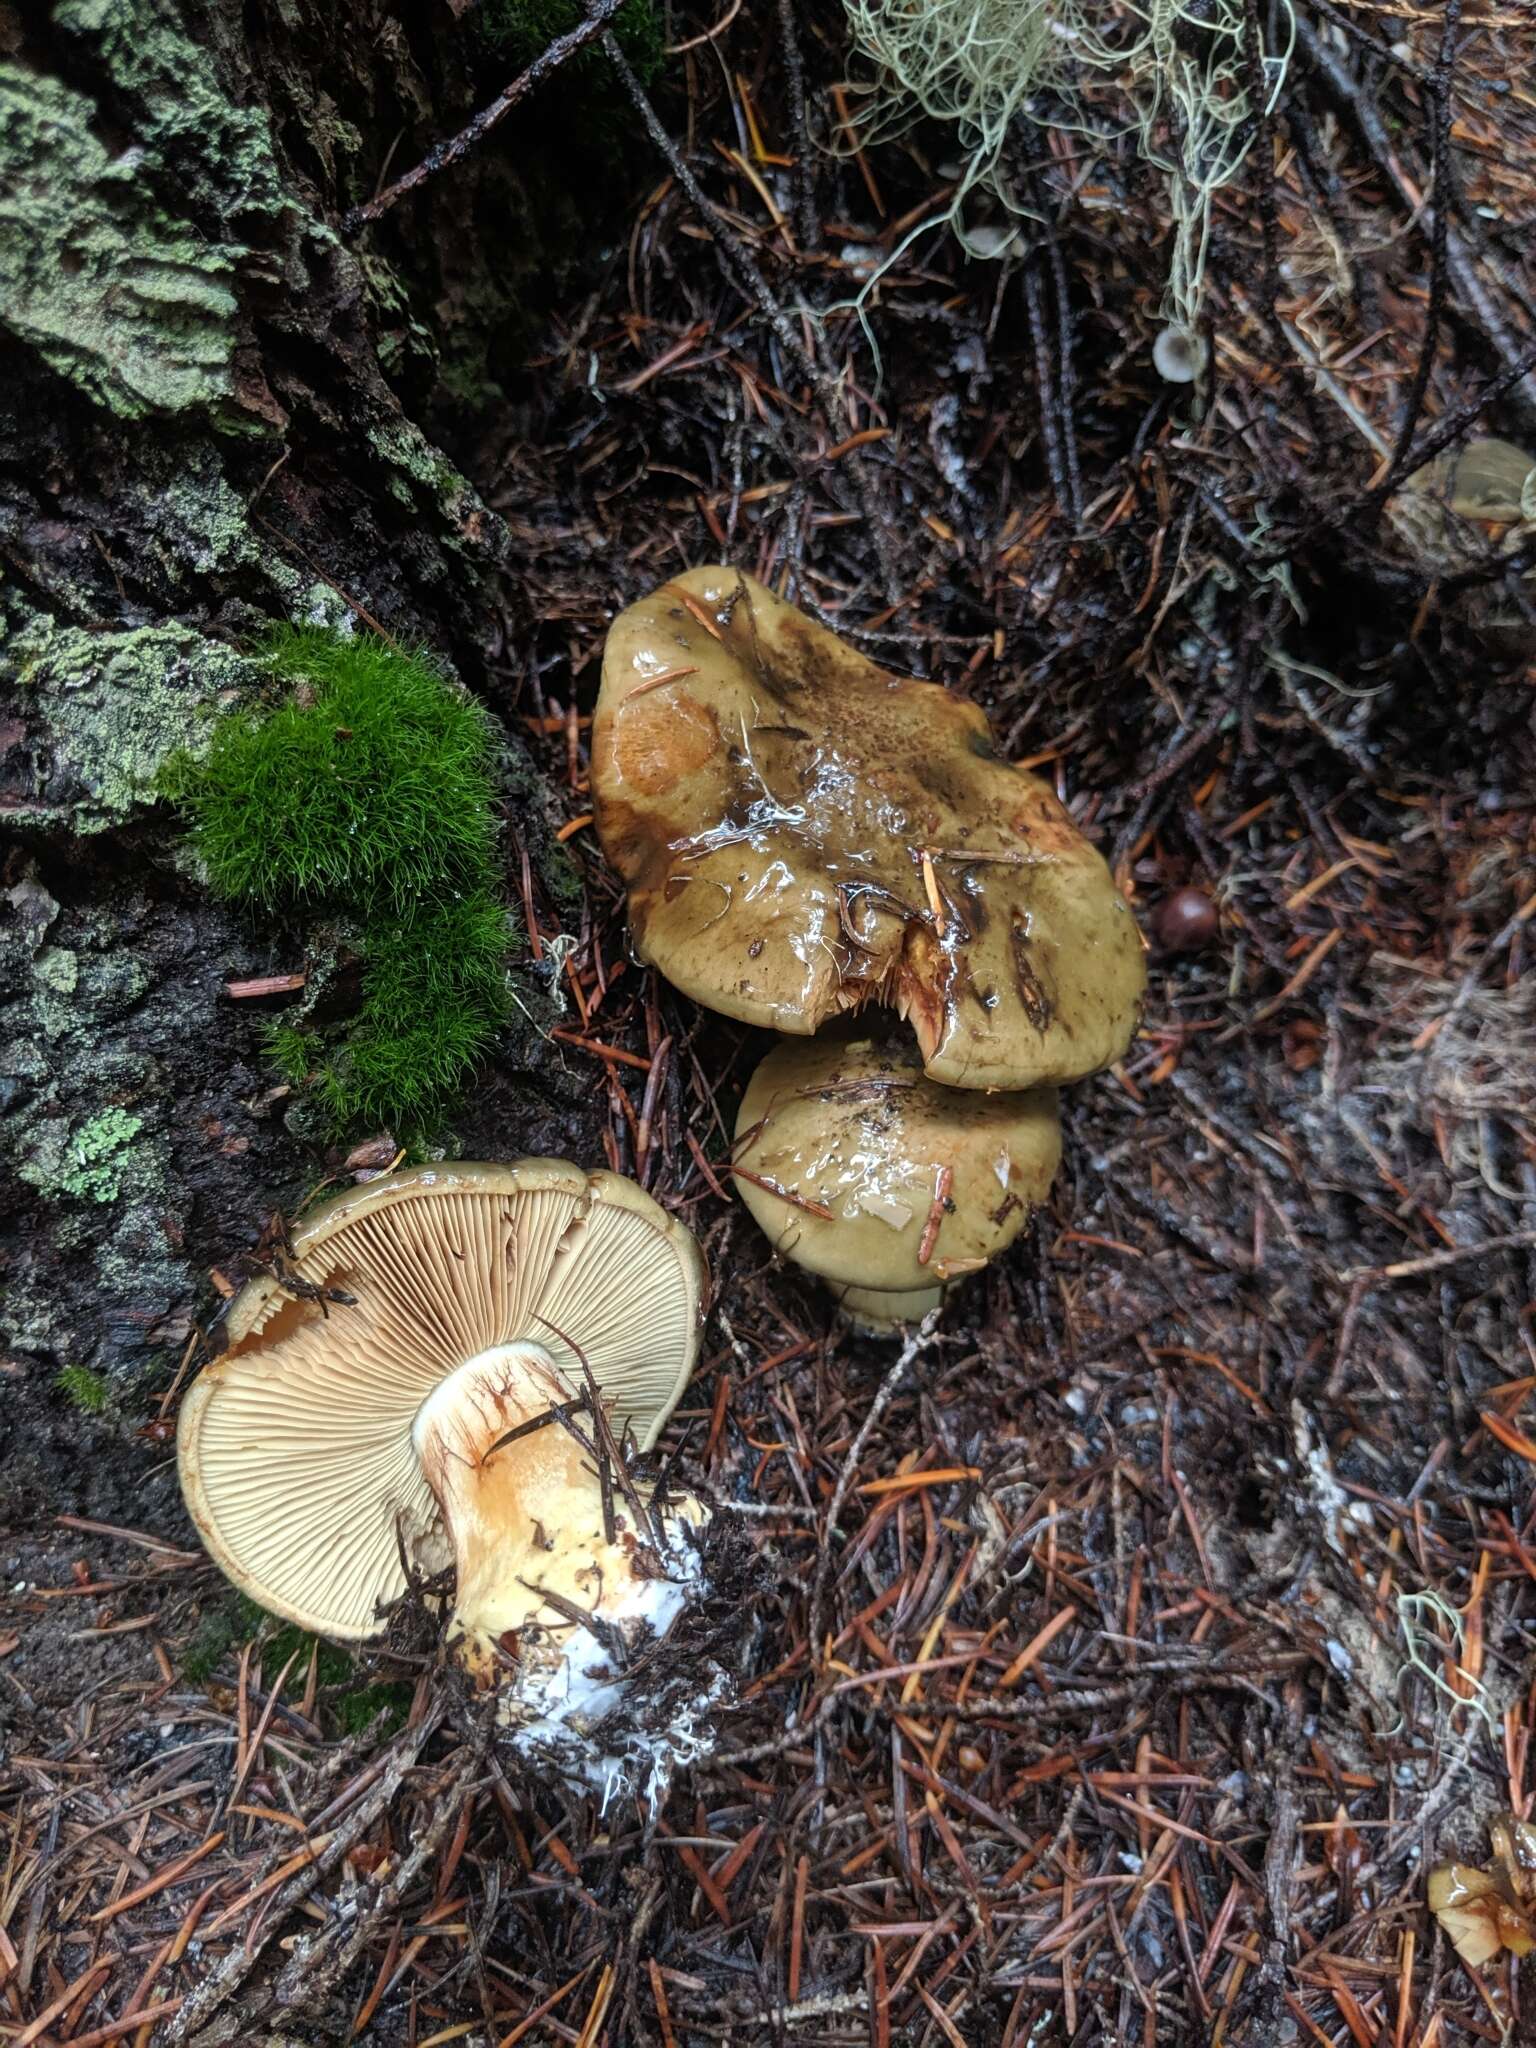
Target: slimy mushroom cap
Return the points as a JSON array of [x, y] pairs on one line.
[[864, 1171], [802, 833]]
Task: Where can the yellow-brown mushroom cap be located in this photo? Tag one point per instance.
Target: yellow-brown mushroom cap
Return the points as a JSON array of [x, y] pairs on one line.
[[802, 832], [866, 1172], [296, 1448]]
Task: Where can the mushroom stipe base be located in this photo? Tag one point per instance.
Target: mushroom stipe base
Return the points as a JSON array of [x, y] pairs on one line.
[[445, 1377], [531, 1555]]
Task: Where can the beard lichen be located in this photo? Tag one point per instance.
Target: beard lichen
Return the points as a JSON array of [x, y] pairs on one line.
[[1173, 74], [366, 798]]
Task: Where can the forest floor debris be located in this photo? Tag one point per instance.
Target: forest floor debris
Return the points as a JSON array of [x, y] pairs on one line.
[[1134, 1649]]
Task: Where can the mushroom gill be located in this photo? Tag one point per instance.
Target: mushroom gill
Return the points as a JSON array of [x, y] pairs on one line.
[[449, 1372]]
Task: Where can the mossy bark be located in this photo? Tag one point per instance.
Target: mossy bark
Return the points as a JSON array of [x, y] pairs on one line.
[[215, 414]]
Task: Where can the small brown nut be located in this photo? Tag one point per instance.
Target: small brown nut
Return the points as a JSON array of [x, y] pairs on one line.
[[1186, 921]]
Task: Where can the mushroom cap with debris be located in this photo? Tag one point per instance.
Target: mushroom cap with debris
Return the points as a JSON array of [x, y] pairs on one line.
[[386, 1401], [802, 833], [1488, 1908], [888, 1186]]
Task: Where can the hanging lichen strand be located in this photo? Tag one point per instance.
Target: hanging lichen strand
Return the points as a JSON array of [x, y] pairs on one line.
[[1176, 76]]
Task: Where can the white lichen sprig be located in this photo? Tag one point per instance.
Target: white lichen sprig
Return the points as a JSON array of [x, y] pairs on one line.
[[1411, 1608], [1177, 72]]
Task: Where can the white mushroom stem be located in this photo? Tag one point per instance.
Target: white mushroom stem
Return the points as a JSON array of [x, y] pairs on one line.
[[526, 1519]]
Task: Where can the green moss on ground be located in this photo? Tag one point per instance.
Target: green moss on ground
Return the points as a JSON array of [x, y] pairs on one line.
[[367, 795], [349, 1702], [83, 1389]]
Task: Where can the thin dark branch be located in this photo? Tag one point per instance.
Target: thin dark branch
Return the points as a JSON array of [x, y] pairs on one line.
[[1454, 424], [1064, 333], [807, 221], [601, 12], [1444, 199], [1050, 424]]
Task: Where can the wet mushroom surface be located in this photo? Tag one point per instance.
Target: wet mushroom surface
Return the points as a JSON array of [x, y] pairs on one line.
[[886, 1185], [802, 833]]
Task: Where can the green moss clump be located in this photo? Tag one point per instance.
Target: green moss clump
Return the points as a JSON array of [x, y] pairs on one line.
[[357, 1711], [367, 795], [83, 1389], [207, 1649], [372, 785], [435, 993]]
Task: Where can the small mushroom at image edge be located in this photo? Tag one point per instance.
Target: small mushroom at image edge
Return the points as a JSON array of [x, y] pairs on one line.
[[865, 1172], [389, 1403], [1487, 1909], [802, 834]]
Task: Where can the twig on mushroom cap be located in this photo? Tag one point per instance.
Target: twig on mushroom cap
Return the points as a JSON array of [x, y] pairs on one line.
[[671, 675], [784, 1194], [844, 777], [930, 1237]]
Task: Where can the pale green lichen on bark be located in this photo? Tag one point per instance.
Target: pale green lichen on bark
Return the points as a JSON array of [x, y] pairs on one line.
[[132, 305], [413, 461], [180, 107], [88, 1164], [116, 706], [123, 291]]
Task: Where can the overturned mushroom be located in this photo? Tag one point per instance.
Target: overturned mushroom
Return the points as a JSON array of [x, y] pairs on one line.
[[864, 1171], [802, 833], [446, 1373]]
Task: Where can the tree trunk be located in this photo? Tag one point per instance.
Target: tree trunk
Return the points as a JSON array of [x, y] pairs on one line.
[[215, 414]]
